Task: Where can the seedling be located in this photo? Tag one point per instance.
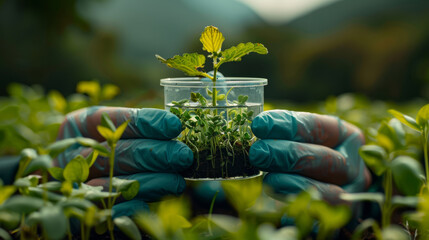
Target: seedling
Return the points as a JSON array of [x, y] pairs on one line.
[[216, 127]]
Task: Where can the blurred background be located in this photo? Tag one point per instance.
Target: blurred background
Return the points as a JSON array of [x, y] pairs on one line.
[[317, 48]]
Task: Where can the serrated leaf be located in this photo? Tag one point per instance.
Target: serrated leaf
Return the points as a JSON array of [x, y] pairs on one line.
[[189, 63], [423, 116], [212, 39], [405, 119], [235, 53]]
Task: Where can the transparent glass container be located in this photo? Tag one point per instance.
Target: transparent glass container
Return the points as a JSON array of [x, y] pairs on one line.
[[218, 132]]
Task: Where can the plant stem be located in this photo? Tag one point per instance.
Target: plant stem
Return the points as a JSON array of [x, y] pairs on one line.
[[425, 150], [214, 83], [387, 205], [210, 213], [110, 199], [45, 190], [111, 165]]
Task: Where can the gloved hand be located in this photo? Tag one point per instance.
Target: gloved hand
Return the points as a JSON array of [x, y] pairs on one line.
[[302, 150], [145, 152]]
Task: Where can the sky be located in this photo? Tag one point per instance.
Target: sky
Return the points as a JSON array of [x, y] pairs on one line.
[[282, 11]]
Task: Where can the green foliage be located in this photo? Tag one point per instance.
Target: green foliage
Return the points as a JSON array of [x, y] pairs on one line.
[[128, 227], [189, 63], [128, 188], [77, 170], [212, 40], [208, 129], [407, 175], [307, 209]]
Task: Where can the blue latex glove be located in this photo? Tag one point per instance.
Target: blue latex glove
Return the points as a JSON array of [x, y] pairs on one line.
[[145, 152], [302, 150]]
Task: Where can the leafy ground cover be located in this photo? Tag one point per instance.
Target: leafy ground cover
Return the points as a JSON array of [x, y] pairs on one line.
[[36, 207]]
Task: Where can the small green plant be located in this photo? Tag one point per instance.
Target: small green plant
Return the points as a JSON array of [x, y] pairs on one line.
[[219, 135], [388, 156], [49, 206], [212, 39], [420, 124]]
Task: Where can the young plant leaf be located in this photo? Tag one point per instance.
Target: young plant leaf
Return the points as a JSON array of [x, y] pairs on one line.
[[90, 159], [51, 186], [221, 97], [107, 123], [366, 224], [212, 39], [22, 204], [79, 203], [237, 52], [105, 132], [357, 197], [395, 232], [109, 91], [59, 146], [242, 99], [77, 170], [4, 234], [189, 63], [423, 116], [120, 130], [128, 188], [54, 222], [41, 162], [6, 192], [405, 119], [57, 173], [40, 193], [128, 227], [374, 157], [26, 156], [92, 88], [86, 142], [331, 217], [407, 175], [405, 201]]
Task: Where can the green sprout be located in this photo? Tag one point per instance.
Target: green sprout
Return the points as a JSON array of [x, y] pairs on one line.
[[212, 39]]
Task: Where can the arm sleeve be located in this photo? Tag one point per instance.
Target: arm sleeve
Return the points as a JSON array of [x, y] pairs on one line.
[[8, 167]]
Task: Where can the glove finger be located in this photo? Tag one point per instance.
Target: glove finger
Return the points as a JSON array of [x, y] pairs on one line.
[[302, 127], [282, 184], [153, 186], [129, 208], [144, 123], [137, 155], [310, 160]]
